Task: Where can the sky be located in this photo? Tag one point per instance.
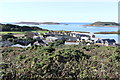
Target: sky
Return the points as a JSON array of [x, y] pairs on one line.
[[58, 10]]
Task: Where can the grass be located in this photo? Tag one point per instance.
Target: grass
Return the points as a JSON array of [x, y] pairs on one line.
[[12, 32], [41, 32], [22, 32]]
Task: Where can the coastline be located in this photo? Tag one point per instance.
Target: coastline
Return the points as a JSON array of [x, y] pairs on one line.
[[99, 26], [107, 33]]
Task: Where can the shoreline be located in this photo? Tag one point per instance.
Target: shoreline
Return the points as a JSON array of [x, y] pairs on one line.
[[107, 33], [99, 26]]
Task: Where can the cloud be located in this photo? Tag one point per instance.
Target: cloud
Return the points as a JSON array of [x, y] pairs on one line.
[[59, 0]]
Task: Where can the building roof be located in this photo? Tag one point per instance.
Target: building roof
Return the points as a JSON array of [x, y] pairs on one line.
[[53, 38], [109, 40]]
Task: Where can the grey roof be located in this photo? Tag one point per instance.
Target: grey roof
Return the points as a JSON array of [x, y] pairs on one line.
[[109, 40], [104, 40], [53, 38], [72, 39]]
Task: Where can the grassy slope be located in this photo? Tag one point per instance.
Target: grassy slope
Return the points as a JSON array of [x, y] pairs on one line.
[[22, 32], [41, 31], [12, 32]]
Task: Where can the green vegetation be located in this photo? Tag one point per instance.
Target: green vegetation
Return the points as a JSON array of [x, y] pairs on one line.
[[119, 31], [58, 61], [41, 32], [18, 40], [15, 29], [12, 32], [11, 27], [7, 36], [6, 32]]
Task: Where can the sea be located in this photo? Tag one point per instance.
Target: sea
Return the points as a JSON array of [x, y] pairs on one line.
[[79, 27]]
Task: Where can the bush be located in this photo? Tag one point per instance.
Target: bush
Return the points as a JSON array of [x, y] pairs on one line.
[[65, 62], [5, 37]]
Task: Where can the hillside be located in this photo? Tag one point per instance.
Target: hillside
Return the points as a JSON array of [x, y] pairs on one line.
[[11, 27], [104, 24]]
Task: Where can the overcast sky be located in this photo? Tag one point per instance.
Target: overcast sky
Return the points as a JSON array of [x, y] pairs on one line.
[[58, 10]]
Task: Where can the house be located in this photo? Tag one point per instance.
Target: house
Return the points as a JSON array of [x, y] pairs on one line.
[[54, 38], [106, 42], [22, 42], [50, 38], [25, 43], [73, 39], [81, 36], [71, 43], [109, 41], [47, 41]]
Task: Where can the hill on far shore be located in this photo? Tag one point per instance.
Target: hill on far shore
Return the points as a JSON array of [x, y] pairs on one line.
[[109, 24], [37, 23]]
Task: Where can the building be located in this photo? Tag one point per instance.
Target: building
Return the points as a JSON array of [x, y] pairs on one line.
[[50, 38], [71, 43], [73, 39], [106, 42]]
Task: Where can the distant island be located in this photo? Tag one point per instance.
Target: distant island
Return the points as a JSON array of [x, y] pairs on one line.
[[39, 23], [29, 23], [50, 23], [106, 24]]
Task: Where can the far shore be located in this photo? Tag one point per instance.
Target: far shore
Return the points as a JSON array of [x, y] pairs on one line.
[[104, 24], [101, 26], [107, 33]]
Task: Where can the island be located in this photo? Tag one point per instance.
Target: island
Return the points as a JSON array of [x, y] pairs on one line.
[[39, 23], [104, 24], [29, 23]]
